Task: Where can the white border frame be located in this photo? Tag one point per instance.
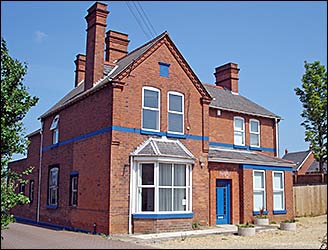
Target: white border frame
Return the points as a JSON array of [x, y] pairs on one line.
[[175, 112], [255, 133], [153, 109], [234, 129], [258, 189], [283, 190]]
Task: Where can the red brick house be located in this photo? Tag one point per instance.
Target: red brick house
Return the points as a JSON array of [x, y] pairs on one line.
[[141, 145]]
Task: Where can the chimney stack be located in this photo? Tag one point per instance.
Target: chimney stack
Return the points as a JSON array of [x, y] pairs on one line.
[[227, 76], [116, 45], [96, 19], [79, 69], [286, 151]]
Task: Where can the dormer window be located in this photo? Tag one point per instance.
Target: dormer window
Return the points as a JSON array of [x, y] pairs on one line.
[[239, 131], [55, 129], [254, 130], [150, 108], [175, 112]]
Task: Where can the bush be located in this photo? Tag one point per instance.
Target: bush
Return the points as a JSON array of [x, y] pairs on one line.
[[245, 225], [195, 225]]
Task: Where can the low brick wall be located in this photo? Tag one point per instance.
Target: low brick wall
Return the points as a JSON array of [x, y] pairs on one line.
[[161, 225]]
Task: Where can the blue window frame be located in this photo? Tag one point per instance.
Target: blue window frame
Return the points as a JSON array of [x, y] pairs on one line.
[[164, 69]]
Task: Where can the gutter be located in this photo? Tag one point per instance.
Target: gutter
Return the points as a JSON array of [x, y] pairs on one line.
[[40, 174], [277, 137], [130, 196]]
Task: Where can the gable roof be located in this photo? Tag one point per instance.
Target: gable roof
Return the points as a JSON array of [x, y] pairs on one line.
[[163, 147], [314, 168], [217, 154], [122, 69], [225, 100], [297, 157]]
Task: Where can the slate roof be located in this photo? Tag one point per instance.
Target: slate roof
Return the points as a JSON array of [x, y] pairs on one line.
[[163, 147], [121, 64], [245, 157], [296, 157], [225, 100], [314, 168]]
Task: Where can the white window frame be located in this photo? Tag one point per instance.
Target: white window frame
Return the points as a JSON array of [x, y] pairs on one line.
[[156, 187], [55, 129], [149, 108], [259, 190], [51, 187], [175, 112], [238, 130], [255, 133], [280, 190]]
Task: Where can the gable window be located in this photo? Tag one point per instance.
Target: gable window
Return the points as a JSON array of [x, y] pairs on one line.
[[55, 129], [175, 112], [254, 130], [278, 191], [164, 69], [259, 190], [74, 189], [150, 108], [31, 193], [53, 186], [164, 187], [239, 131]]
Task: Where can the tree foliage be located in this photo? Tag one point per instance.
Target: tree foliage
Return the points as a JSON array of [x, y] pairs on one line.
[[313, 96], [15, 103]]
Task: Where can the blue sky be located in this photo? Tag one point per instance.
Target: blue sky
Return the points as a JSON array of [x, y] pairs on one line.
[[268, 40]]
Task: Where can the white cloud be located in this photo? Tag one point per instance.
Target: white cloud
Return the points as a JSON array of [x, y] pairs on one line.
[[40, 36]]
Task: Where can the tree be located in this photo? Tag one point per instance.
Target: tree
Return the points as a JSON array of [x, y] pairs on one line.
[[15, 103], [313, 96]]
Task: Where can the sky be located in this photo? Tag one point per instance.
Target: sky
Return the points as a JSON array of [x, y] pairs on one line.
[[268, 40]]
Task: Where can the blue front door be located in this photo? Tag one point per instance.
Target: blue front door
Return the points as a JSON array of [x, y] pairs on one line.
[[222, 202]]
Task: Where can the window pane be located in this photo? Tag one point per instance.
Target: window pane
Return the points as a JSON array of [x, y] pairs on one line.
[[254, 140], [74, 183], [165, 199], [147, 174], [238, 138], [258, 200], [239, 124], [150, 98], [254, 126], [258, 180], [53, 177], [74, 198], [278, 201], [147, 198], [175, 122], [150, 119], [179, 200], [179, 175], [165, 174], [55, 136], [53, 196], [277, 180], [175, 103]]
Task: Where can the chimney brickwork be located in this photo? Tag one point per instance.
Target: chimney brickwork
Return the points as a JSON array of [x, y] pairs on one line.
[[116, 45], [227, 76], [96, 20], [79, 69]]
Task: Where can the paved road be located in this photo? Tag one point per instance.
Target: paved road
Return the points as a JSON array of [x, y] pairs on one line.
[[20, 236]]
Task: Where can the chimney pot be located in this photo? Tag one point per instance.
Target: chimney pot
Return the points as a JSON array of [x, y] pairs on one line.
[[226, 76]]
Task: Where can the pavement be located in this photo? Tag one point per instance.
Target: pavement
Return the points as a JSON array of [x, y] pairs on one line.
[[35, 237]]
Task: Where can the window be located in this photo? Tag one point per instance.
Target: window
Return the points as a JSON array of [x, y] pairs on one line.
[[22, 188], [259, 190], [239, 131], [74, 189], [31, 193], [164, 69], [55, 129], [53, 186], [150, 108], [164, 187], [175, 112], [278, 191], [254, 130]]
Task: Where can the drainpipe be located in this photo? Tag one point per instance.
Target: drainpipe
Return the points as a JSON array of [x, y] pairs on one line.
[[130, 195], [277, 137], [40, 174]]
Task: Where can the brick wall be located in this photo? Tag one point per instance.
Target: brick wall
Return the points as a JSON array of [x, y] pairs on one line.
[[161, 225]]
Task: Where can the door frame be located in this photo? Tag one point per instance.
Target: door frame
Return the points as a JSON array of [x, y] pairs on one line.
[[227, 183]]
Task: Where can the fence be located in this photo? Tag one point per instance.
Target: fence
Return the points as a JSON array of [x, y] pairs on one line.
[[304, 179], [310, 200]]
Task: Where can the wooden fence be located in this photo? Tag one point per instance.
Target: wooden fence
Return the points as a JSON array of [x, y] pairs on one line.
[[310, 200]]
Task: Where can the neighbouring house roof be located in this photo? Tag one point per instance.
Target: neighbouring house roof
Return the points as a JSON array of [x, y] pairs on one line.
[[110, 72], [314, 168], [163, 147], [297, 157], [225, 100], [245, 157], [35, 132]]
